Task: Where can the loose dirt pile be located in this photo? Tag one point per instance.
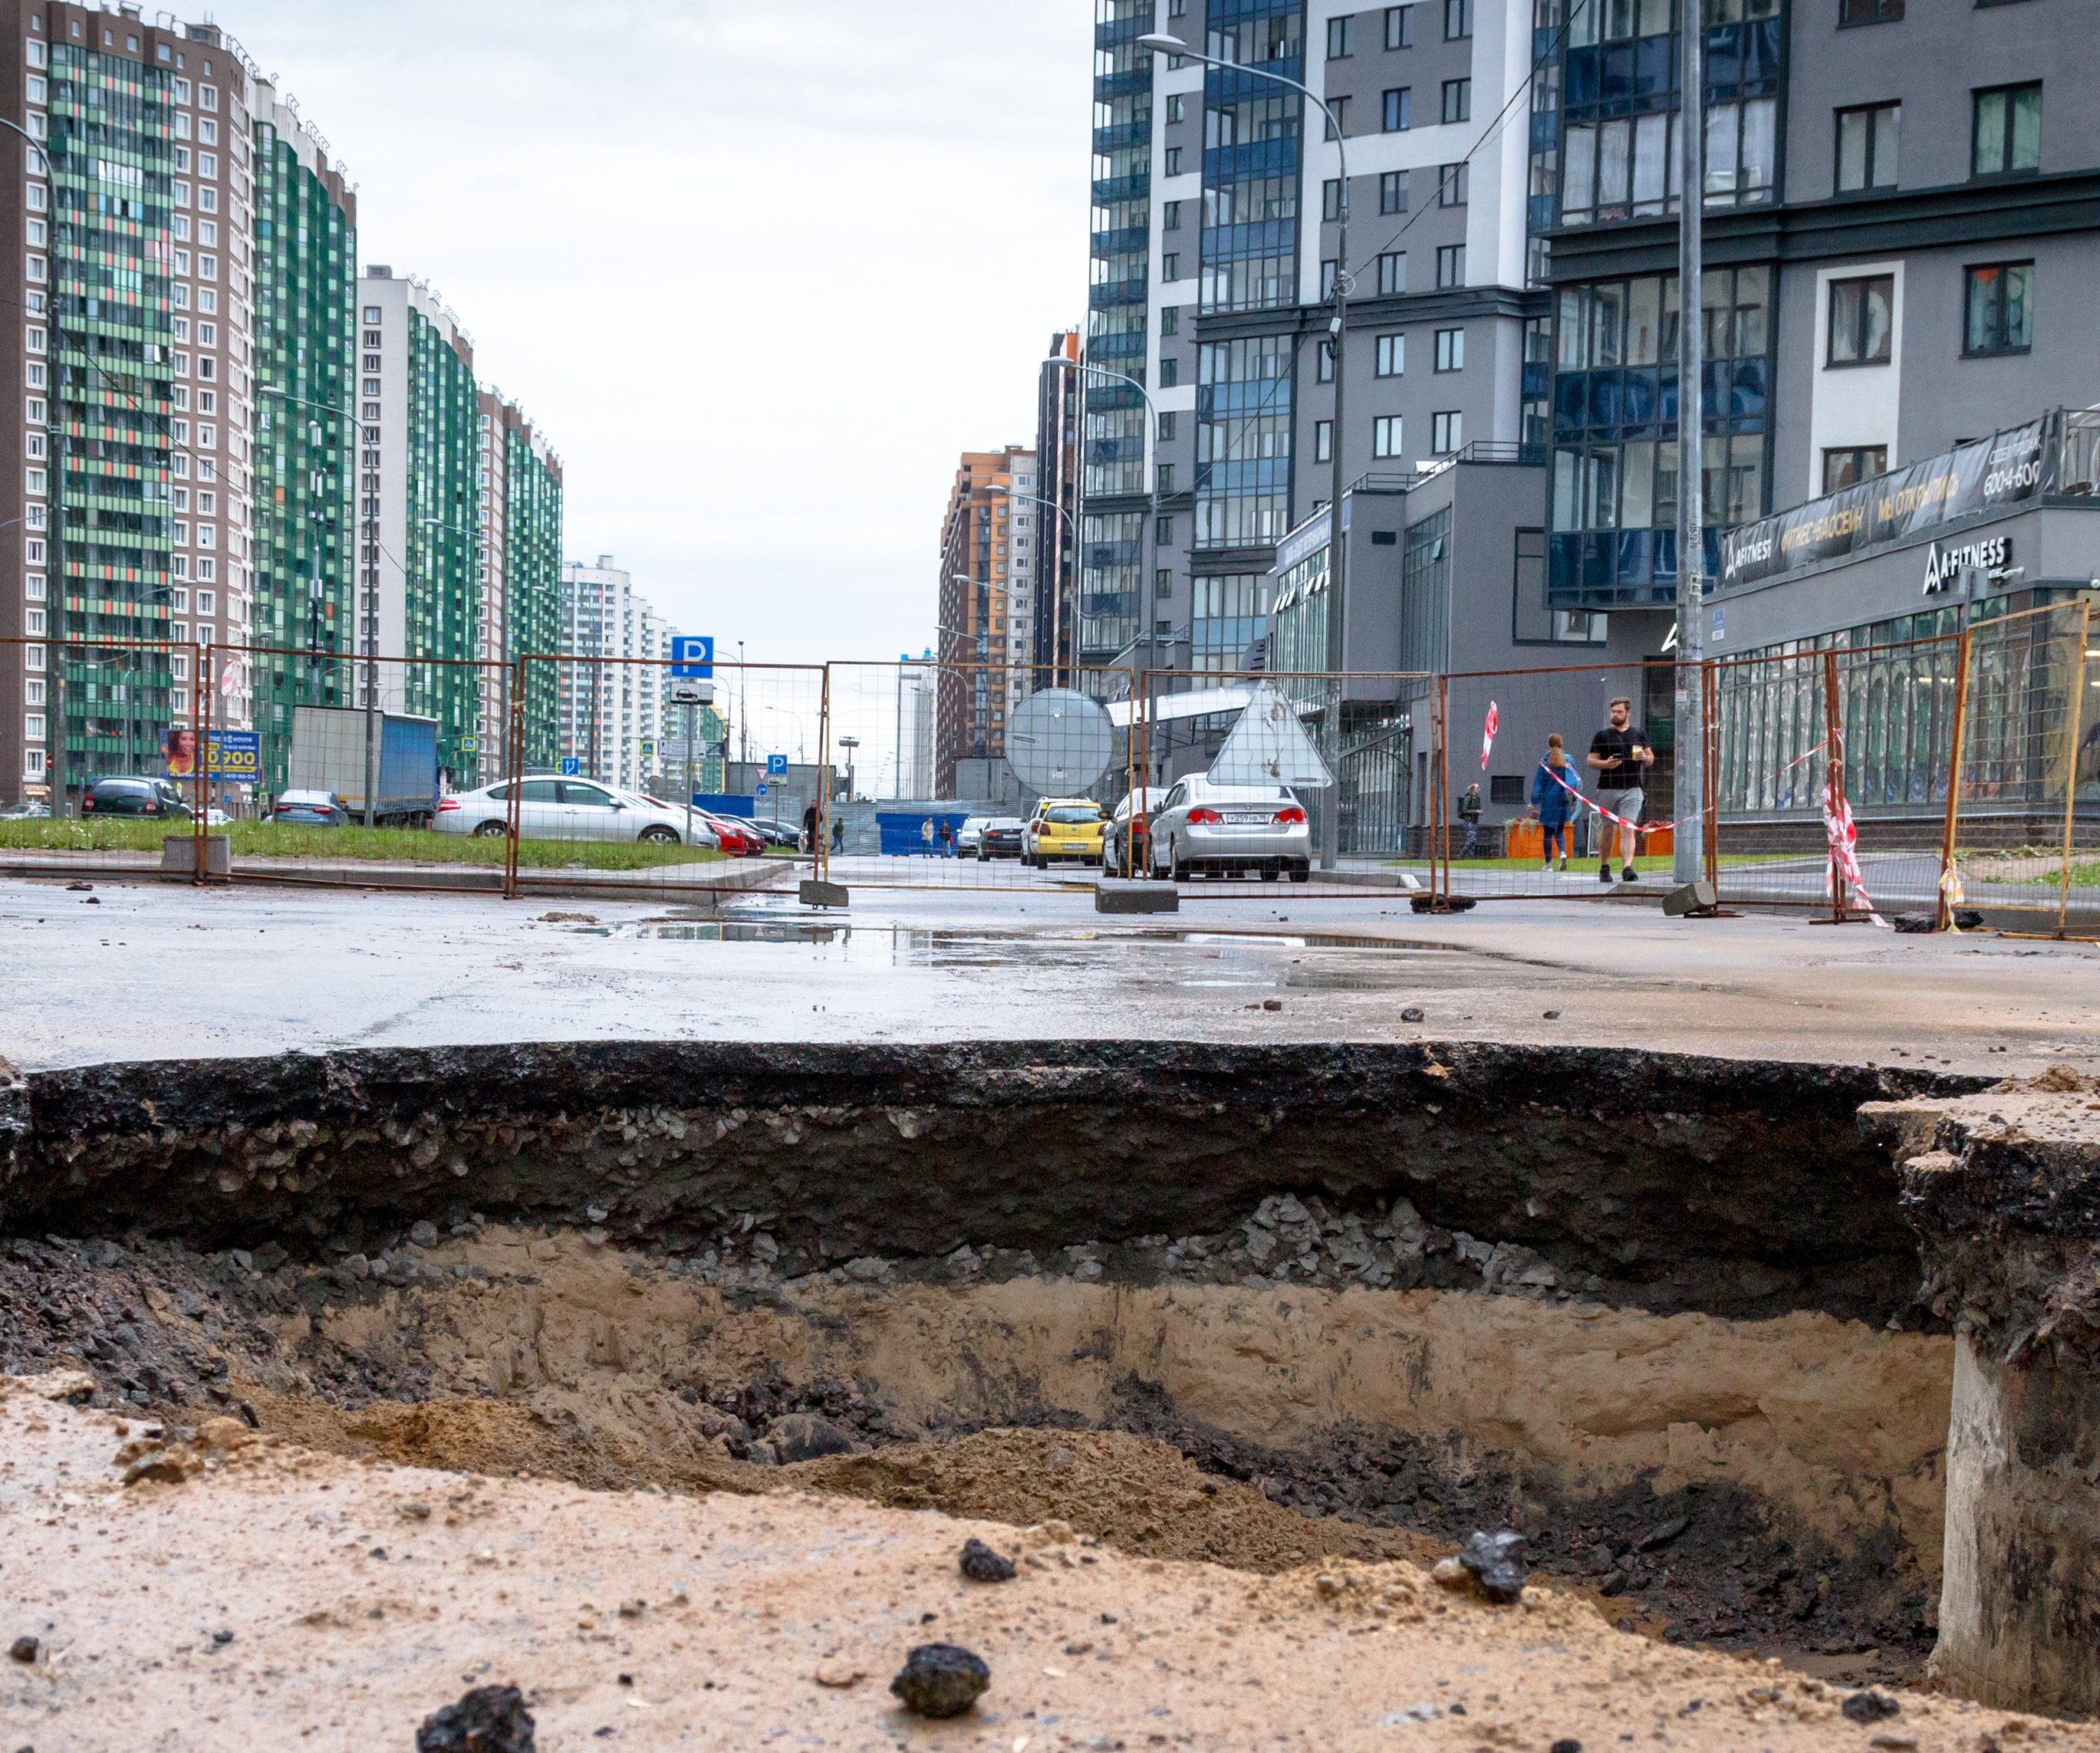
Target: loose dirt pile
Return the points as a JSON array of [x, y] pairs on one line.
[[241, 1592]]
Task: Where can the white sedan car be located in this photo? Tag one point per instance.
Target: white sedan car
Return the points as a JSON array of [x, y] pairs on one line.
[[568, 809], [1222, 830]]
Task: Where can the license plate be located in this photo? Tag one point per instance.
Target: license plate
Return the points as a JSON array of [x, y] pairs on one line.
[[1245, 821]]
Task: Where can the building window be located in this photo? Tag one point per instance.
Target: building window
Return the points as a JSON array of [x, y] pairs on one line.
[[1392, 273], [1323, 440], [1450, 349], [1173, 160], [1331, 199], [1326, 372], [1386, 435], [1340, 34], [1458, 100], [1169, 217], [1177, 107], [2008, 131], [1163, 583], [1452, 183], [1399, 110], [1163, 530], [1170, 373], [1862, 316], [1451, 265], [1392, 355], [1848, 468], [1400, 27], [1165, 477], [1445, 433], [1457, 20], [1166, 428], [1997, 306], [371, 316], [1337, 107], [1866, 147], [1869, 12], [1169, 265], [1393, 192], [1169, 319]]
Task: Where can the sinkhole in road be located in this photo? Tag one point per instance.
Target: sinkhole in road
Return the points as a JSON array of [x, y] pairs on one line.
[[1261, 1306]]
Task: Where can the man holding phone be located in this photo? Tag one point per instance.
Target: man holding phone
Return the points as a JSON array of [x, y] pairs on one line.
[[1620, 757]]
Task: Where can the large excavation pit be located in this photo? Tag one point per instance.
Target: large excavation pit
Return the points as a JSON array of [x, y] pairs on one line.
[[1256, 1307]]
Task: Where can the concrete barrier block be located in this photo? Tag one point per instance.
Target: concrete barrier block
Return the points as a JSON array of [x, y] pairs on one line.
[[816, 894], [1111, 896], [178, 852], [1691, 902]]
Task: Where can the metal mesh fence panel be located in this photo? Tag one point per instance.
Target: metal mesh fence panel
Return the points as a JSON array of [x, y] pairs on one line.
[[974, 775], [2024, 822], [110, 771], [655, 778], [1519, 810]]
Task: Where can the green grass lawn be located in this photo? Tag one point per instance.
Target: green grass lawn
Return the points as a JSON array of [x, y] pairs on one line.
[[398, 845]]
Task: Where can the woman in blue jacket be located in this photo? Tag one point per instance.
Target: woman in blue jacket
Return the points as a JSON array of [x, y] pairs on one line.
[[1553, 803]]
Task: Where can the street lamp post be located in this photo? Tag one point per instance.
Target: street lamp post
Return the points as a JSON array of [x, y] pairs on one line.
[[1151, 415], [1160, 44], [1079, 572]]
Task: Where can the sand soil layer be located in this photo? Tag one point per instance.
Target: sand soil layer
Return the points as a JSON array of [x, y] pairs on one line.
[[237, 1590]]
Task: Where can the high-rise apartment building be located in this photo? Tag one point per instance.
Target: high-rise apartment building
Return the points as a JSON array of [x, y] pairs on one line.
[[130, 368], [1216, 234], [520, 488], [1897, 259], [981, 649], [419, 542], [608, 708], [1057, 507], [305, 346]]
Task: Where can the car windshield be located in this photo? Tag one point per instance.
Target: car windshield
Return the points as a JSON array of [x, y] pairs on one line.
[[1075, 812]]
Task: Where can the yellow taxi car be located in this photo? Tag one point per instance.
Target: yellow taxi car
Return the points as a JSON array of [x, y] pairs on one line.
[[1062, 828]]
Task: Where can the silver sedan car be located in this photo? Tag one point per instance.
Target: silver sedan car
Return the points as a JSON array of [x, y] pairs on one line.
[[1221, 830]]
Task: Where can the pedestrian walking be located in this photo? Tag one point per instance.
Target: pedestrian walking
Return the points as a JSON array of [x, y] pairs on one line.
[[1469, 813], [810, 828], [838, 833], [1620, 757], [1554, 803], [948, 837], [926, 836]]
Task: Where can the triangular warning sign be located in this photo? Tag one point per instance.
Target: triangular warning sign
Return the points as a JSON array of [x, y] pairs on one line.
[[1269, 746]]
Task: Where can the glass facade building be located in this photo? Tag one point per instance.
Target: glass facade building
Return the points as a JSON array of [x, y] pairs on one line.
[[532, 581], [305, 266], [1112, 418], [1604, 152], [110, 401], [441, 553]]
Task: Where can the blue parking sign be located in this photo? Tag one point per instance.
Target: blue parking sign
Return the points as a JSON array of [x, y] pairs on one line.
[[693, 656], [776, 766], [570, 766]]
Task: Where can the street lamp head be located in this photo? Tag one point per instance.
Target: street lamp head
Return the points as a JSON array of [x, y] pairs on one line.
[[1160, 44]]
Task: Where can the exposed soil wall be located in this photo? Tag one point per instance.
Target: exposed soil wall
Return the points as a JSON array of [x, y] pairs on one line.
[[1659, 1176]]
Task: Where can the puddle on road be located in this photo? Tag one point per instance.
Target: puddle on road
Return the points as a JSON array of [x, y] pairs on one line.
[[1192, 959]]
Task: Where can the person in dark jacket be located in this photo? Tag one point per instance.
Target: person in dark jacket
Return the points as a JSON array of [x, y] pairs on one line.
[[1553, 802], [1469, 805]]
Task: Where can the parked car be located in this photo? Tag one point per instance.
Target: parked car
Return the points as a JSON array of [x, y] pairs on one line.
[[26, 812], [1125, 847], [1000, 839], [300, 809], [562, 810], [787, 835], [1223, 830], [737, 838], [1062, 828], [705, 830], [132, 795], [968, 835]]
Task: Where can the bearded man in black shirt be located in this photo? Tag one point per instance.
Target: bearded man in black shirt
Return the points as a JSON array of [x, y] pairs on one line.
[[1620, 757]]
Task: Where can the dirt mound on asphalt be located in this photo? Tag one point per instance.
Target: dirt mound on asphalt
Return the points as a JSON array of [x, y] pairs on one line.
[[1136, 1494]]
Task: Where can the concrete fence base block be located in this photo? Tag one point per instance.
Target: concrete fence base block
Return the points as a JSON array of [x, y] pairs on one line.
[[817, 894], [179, 852], [1691, 902], [1111, 896]]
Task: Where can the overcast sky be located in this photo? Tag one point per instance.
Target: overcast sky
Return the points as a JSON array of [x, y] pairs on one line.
[[760, 268]]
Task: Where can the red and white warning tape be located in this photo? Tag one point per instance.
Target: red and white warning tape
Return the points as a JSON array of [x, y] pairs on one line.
[[1639, 827], [1843, 834]]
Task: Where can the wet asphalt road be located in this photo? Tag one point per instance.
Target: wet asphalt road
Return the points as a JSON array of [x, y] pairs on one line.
[[146, 971]]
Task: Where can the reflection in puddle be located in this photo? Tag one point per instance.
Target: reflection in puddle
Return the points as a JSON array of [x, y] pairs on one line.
[[1177, 958]]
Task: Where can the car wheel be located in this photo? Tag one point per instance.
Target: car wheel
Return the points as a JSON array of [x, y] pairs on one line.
[[1270, 874], [660, 835], [1176, 863], [1301, 874], [490, 830]]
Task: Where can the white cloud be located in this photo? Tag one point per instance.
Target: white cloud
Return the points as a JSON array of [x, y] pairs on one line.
[[760, 268]]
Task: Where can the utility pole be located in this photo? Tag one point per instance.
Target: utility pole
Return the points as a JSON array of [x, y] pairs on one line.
[[1689, 793]]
